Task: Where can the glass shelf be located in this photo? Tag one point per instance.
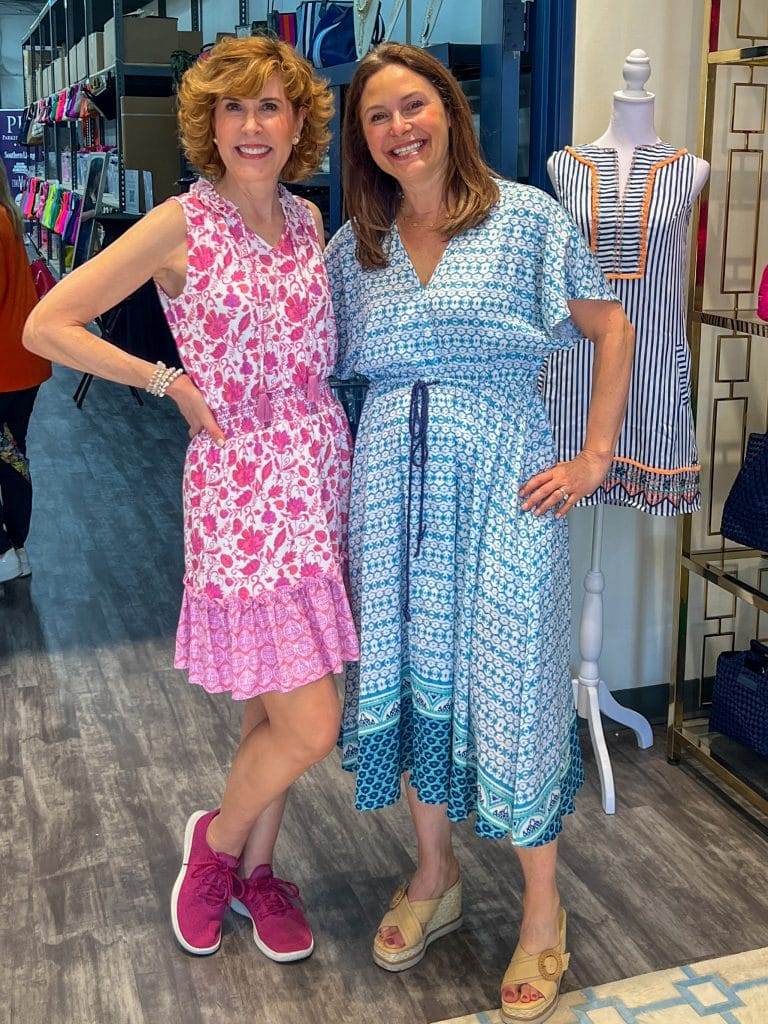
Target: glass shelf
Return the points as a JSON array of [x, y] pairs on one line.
[[743, 768], [741, 571], [746, 322], [745, 55]]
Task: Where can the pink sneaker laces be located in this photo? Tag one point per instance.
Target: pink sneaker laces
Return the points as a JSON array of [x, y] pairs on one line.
[[275, 896], [216, 883]]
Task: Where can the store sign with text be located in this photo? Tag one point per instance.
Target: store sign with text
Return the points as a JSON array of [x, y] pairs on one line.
[[12, 153]]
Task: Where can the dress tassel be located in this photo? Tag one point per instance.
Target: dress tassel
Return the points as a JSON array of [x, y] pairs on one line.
[[264, 408], [313, 389]]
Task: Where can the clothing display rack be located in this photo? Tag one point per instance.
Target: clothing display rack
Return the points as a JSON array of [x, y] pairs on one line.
[[723, 588], [48, 51]]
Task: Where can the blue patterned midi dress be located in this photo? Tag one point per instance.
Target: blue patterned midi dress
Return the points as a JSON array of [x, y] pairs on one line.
[[461, 598]]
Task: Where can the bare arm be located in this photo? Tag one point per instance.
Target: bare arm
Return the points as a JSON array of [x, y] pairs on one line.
[[605, 324], [56, 327]]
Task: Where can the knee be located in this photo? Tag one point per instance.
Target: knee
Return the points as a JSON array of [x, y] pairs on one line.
[[315, 740]]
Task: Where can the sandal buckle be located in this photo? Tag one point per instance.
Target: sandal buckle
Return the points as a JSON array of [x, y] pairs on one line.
[[398, 897], [546, 961]]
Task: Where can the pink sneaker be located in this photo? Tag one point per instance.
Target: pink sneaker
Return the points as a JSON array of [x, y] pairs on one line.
[[280, 929], [203, 889]]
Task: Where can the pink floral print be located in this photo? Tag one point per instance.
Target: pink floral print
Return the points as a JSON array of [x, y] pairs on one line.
[[265, 604]]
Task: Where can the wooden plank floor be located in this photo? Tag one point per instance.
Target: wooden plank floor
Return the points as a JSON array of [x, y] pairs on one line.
[[105, 750]]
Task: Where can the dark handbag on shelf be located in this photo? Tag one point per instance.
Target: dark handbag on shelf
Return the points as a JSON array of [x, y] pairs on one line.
[[326, 31], [745, 514], [740, 697]]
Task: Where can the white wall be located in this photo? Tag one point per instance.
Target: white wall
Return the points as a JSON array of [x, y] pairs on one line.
[[13, 28]]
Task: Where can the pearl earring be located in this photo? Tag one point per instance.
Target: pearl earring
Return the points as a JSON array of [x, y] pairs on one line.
[[296, 140]]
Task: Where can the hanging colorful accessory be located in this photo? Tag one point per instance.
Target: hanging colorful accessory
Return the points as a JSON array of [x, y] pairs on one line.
[[762, 297]]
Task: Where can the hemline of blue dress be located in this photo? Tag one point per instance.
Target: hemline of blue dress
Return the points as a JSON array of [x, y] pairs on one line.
[[462, 600]]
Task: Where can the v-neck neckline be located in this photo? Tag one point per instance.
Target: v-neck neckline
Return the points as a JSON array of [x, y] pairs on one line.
[[621, 245], [421, 286], [613, 150]]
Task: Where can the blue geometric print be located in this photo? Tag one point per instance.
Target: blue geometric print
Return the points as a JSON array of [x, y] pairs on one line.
[[473, 694]]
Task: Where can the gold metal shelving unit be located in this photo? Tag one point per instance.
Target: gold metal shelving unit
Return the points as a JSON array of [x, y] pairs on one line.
[[732, 581]]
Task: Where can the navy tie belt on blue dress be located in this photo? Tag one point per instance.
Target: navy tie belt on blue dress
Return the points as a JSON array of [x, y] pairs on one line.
[[418, 425]]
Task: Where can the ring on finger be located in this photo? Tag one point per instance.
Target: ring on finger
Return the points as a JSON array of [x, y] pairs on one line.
[[564, 493]]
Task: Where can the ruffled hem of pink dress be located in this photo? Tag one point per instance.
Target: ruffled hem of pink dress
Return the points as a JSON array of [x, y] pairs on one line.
[[278, 641]]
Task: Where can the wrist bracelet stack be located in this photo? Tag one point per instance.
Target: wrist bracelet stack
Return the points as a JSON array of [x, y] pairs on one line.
[[162, 379]]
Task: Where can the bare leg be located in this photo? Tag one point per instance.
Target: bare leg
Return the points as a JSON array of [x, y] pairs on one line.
[[437, 868], [301, 728], [541, 907], [260, 845]]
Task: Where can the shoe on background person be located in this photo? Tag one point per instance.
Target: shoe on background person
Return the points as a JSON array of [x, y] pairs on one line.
[[25, 569], [9, 566], [280, 929]]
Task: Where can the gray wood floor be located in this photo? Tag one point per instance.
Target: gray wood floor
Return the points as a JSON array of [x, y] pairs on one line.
[[105, 750]]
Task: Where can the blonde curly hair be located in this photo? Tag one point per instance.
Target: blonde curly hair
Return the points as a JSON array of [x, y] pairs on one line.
[[240, 68]]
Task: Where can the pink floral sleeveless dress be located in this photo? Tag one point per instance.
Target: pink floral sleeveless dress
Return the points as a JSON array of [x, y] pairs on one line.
[[265, 603]]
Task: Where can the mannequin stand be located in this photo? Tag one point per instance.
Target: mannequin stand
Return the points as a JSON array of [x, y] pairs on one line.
[[590, 692]]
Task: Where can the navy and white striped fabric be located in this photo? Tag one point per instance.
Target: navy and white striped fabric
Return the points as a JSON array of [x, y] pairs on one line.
[[640, 241]]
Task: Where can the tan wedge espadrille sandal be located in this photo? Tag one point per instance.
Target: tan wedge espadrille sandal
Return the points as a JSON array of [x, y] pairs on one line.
[[544, 972], [420, 923]]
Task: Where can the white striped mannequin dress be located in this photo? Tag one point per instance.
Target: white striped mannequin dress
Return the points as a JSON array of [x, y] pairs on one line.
[[640, 242]]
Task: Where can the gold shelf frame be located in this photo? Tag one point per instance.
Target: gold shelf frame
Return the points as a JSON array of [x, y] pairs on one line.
[[719, 567]]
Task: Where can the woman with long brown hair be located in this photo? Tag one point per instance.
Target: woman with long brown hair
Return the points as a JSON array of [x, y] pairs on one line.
[[450, 287], [21, 375]]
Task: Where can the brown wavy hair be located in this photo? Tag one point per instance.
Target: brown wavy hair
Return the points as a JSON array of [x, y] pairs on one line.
[[372, 197], [239, 68]]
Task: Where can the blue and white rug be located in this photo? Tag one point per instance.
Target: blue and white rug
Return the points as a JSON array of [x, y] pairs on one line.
[[729, 990]]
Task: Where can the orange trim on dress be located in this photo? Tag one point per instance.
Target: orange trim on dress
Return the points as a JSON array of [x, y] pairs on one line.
[[646, 208], [652, 469], [593, 227]]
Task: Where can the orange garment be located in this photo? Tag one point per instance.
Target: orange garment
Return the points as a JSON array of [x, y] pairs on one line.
[[19, 369]]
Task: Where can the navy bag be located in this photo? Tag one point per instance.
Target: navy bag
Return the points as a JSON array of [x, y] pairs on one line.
[[745, 513], [740, 697], [325, 32]]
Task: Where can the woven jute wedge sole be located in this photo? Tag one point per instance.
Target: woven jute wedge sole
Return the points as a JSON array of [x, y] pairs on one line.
[[431, 918]]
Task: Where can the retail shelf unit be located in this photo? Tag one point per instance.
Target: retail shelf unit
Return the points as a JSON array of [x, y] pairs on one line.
[[723, 588], [49, 42]]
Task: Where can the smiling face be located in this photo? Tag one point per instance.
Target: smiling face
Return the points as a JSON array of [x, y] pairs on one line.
[[254, 136], [405, 125]]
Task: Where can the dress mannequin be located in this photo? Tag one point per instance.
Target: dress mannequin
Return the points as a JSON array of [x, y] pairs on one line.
[[631, 132]]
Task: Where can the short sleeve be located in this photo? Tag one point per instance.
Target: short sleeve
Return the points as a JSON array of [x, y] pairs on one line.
[[335, 261], [569, 271]]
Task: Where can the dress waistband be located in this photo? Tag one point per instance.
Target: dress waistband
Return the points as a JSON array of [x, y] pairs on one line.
[[258, 407]]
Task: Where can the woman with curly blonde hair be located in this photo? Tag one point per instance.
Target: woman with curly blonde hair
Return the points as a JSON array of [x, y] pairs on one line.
[[239, 269]]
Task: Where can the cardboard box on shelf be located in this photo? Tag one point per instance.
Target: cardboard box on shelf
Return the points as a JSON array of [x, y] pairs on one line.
[[80, 65], [46, 80], [96, 52], [34, 58], [192, 42], [145, 40], [61, 73], [150, 140]]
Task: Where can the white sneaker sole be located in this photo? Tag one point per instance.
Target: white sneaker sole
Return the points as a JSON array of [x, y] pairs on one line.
[[280, 958], [188, 833]]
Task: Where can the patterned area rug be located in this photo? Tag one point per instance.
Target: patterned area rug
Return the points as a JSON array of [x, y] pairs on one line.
[[729, 990]]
